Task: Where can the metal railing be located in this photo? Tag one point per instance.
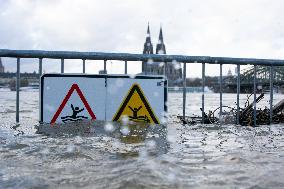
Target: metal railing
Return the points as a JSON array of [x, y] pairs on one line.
[[62, 55]]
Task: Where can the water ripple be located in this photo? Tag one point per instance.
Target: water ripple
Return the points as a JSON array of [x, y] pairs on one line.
[[199, 156]]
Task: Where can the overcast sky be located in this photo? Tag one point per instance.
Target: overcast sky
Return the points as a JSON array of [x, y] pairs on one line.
[[231, 28]]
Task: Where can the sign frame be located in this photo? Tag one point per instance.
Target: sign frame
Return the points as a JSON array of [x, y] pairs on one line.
[[105, 76]]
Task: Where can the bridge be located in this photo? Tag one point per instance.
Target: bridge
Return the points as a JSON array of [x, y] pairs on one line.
[[247, 80]]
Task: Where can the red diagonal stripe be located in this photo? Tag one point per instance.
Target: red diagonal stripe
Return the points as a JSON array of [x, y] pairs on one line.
[[85, 101]]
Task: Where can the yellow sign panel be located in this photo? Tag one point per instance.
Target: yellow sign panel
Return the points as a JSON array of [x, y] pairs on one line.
[[136, 107]]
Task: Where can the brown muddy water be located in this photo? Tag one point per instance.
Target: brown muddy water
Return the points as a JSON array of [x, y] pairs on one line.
[[166, 156]]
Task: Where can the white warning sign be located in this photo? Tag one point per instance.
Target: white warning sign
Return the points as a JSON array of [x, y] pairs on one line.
[[72, 97], [75, 109], [136, 107]]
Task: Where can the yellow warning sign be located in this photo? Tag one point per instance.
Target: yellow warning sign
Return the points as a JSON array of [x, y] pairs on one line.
[[136, 106]]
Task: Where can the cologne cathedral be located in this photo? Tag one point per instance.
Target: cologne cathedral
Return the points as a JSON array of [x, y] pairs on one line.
[[172, 71]]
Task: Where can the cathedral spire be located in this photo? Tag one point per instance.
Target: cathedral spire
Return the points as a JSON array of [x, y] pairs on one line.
[[148, 29], [148, 47], [161, 48], [161, 36]]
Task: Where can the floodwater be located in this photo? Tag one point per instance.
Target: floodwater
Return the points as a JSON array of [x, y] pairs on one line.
[[199, 156]]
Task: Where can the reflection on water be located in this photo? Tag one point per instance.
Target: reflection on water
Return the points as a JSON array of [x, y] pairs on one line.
[[106, 155]]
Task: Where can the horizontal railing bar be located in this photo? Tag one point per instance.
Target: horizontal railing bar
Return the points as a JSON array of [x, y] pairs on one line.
[[136, 57]]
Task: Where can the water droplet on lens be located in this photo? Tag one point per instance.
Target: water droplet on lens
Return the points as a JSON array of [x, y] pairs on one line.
[[124, 119], [119, 82], [150, 61], [151, 144], [143, 153], [171, 177], [45, 151], [109, 127], [164, 114], [161, 52], [70, 148], [78, 140], [112, 89], [116, 144], [171, 138], [166, 103], [156, 94], [164, 120], [125, 130], [49, 107], [132, 76], [176, 64]]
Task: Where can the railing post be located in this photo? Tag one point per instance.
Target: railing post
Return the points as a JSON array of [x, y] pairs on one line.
[[271, 94], [145, 67], [238, 94], [62, 65], [18, 83], [184, 90], [221, 93], [203, 85], [39, 73], [125, 67], [40, 67], [105, 62], [165, 69], [84, 65], [254, 95]]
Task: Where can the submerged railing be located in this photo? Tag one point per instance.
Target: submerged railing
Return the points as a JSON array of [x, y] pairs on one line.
[[62, 55]]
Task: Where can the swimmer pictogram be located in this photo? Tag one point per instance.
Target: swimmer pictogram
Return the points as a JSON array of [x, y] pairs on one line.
[[135, 116], [74, 116], [75, 110], [136, 107]]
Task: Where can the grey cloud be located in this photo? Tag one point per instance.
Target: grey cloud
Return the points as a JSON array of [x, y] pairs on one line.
[[235, 28]]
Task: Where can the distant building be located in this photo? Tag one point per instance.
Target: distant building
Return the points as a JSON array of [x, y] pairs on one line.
[[2, 69], [229, 73], [173, 69]]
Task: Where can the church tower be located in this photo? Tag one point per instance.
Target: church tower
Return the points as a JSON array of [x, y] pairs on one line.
[[161, 47], [148, 48]]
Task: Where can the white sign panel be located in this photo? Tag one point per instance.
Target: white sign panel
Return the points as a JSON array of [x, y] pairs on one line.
[[73, 97]]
